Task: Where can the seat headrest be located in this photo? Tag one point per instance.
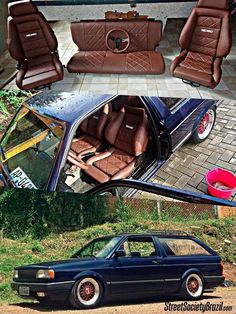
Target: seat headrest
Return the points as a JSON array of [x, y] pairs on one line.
[[134, 110], [19, 8], [214, 4]]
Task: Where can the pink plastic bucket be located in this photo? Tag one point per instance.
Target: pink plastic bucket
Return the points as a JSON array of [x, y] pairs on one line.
[[222, 177]]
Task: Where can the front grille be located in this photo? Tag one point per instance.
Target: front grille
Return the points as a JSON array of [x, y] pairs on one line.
[[27, 275]]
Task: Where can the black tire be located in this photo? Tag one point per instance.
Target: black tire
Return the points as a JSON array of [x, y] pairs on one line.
[[203, 131], [86, 293], [192, 287]]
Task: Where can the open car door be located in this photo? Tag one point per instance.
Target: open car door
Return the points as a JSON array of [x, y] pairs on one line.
[[166, 191]]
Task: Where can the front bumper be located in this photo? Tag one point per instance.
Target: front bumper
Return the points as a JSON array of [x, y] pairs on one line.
[[213, 281], [52, 290]]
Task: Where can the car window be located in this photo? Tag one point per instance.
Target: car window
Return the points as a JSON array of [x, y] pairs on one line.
[[138, 247], [177, 247], [30, 147], [98, 248]]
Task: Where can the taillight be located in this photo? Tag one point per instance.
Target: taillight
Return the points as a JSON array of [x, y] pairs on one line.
[[221, 268]]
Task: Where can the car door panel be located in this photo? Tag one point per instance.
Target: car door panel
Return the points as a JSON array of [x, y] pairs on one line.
[[144, 274]]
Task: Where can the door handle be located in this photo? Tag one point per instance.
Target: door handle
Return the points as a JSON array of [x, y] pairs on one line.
[[157, 261]]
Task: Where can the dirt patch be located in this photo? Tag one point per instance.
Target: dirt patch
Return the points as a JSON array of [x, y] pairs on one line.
[[230, 272], [154, 306]]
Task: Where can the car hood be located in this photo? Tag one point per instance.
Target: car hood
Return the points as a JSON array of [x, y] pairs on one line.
[[61, 264]]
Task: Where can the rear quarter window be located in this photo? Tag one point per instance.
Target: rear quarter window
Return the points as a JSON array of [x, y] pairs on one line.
[[181, 247]]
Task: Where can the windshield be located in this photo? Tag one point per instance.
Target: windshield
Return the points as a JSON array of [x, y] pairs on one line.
[[29, 148], [98, 248]]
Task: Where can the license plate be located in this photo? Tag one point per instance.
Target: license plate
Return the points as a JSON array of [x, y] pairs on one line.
[[24, 291], [21, 179]]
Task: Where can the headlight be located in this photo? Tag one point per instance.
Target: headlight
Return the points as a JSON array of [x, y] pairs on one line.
[[15, 274], [45, 273]]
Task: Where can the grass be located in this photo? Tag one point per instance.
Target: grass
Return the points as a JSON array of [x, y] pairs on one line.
[[26, 251], [13, 98], [10, 102]]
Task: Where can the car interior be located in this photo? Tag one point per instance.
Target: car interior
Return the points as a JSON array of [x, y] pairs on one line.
[[32, 42], [205, 39], [116, 142], [118, 46]]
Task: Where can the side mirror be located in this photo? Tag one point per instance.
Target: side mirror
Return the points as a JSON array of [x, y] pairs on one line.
[[120, 253]]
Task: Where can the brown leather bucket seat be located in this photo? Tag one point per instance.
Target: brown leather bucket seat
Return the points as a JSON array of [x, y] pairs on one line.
[[93, 132], [128, 135], [33, 44], [205, 39], [95, 57]]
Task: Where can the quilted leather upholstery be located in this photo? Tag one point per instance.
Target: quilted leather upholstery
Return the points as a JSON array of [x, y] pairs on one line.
[[94, 57], [205, 39], [117, 161], [128, 135], [32, 42]]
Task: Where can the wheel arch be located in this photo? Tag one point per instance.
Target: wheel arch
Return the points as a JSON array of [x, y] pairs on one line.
[[191, 271], [199, 118], [93, 275]]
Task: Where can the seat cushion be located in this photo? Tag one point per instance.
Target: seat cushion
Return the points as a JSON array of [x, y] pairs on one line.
[[195, 76], [199, 62], [39, 71], [112, 164], [115, 162], [85, 144], [141, 62]]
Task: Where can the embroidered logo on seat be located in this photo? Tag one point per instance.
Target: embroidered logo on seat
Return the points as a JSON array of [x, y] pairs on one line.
[[129, 127], [95, 117], [31, 34], [206, 30]]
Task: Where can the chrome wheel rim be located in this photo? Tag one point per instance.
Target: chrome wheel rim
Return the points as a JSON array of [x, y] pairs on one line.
[[206, 124], [88, 291], [194, 285]]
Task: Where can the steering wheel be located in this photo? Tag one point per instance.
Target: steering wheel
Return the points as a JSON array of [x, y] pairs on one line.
[[117, 40]]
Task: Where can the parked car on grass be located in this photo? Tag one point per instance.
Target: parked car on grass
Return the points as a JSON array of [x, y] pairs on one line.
[[73, 142], [148, 264]]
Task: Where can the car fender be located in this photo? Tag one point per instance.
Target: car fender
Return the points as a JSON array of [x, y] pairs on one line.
[[201, 115], [91, 273], [190, 271]]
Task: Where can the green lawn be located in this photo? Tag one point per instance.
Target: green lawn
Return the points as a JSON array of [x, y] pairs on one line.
[[27, 251]]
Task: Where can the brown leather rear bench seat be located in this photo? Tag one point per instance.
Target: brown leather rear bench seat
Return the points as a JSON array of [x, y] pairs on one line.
[[95, 57]]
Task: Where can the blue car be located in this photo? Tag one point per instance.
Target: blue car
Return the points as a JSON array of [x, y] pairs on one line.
[[74, 142], [149, 264]]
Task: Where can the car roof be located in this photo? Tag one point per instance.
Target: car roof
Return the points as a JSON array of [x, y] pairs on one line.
[[161, 233], [65, 106]]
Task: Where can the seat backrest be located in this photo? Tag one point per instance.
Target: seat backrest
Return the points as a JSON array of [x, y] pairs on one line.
[[91, 35], [119, 102], [29, 34], [95, 124], [129, 130], [208, 29]]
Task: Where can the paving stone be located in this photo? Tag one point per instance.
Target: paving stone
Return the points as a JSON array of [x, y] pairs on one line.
[[201, 159], [196, 179], [229, 138], [225, 165], [226, 156], [182, 181]]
